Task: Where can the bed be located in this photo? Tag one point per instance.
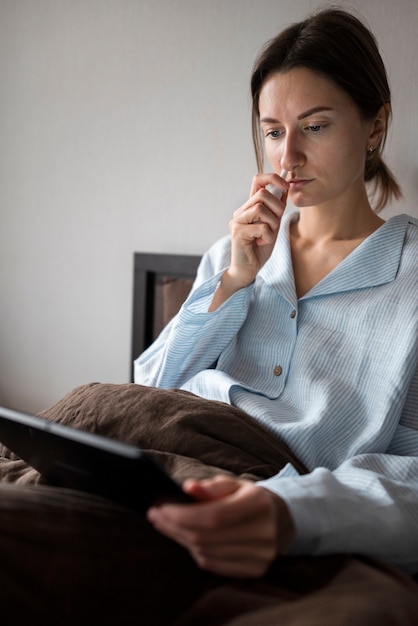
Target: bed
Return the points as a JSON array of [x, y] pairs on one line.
[[161, 283]]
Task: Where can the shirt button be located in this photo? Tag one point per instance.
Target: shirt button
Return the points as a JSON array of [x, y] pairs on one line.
[[277, 370], [293, 313]]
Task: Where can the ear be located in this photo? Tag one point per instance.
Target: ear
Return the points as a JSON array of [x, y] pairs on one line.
[[379, 125]]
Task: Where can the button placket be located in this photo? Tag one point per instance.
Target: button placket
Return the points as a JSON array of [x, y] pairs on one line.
[[289, 329]]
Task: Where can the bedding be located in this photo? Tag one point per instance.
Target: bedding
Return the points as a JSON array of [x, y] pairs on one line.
[[69, 554], [190, 436], [69, 557]]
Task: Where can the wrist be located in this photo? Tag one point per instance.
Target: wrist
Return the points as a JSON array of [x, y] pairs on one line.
[[227, 286]]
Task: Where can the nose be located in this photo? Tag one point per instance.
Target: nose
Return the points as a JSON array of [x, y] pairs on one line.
[[292, 155]]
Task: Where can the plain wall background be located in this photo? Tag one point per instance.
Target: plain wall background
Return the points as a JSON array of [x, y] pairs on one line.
[[125, 125]]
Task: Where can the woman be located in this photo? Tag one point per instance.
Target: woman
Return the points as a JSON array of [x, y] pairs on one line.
[[302, 315], [301, 329]]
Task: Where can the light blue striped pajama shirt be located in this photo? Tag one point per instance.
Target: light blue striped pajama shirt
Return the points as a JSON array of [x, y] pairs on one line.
[[334, 374]]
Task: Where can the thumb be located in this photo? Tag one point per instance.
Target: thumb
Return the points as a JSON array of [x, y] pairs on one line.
[[211, 488]]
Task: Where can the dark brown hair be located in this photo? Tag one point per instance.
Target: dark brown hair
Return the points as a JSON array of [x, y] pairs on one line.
[[337, 45]]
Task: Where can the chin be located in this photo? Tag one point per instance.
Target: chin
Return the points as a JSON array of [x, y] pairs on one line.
[[301, 200], [303, 203]]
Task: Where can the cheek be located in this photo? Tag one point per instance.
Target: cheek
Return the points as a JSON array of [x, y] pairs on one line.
[[350, 162], [273, 153], [350, 153], [343, 158]]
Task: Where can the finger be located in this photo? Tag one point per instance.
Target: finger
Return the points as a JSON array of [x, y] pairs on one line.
[[250, 541], [249, 556], [263, 202], [260, 181], [236, 552], [257, 223], [261, 213], [237, 508], [235, 540], [244, 568]]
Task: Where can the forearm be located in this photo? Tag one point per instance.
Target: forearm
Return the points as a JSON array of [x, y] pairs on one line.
[[194, 339]]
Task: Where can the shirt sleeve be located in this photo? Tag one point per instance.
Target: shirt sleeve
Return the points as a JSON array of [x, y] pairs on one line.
[[194, 339], [368, 505]]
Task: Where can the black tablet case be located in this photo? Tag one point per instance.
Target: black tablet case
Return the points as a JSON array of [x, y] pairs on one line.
[[76, 459]]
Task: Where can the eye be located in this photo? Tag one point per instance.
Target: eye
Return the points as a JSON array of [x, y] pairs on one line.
[[316, 128], [274, 134]]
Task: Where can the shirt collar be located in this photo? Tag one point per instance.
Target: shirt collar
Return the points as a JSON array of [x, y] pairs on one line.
[[374, 262]]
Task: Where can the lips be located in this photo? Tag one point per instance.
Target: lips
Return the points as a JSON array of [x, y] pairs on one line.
[[299, 183]]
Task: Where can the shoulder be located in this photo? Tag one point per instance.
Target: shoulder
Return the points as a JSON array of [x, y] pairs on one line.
[[413, 229], [411, 238], [404, 228], [412, 223], [408, 255], [408, 221]]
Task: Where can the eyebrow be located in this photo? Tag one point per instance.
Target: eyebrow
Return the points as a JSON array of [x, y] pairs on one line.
[[302, 116]]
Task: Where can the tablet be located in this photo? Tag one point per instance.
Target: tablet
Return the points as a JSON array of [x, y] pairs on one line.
[[76, 459]]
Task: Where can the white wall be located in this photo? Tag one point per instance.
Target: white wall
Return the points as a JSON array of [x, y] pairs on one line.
[[125, 125]]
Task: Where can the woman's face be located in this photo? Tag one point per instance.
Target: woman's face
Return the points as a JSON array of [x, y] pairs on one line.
[[314, 130]]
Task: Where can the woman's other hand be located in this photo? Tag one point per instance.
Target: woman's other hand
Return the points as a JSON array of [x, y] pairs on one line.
[[236, 529]]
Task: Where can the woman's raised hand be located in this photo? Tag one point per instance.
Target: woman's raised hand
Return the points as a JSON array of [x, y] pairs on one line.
[[254, 228]]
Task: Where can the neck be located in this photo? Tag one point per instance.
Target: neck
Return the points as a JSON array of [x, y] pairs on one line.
[[354, 219], [324, 236]]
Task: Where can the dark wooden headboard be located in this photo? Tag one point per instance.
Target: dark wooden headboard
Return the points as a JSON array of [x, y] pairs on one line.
[[153, 272]]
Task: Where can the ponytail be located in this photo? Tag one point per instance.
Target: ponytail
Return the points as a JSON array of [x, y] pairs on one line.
[[383, 184]]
